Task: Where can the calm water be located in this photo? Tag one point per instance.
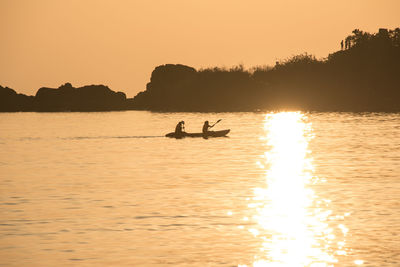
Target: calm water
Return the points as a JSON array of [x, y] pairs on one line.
[[284, 189]]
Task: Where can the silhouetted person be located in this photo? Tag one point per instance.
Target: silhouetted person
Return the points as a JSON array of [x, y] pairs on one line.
[[206, 126], [180, 127], [341, 45], [346, 44]]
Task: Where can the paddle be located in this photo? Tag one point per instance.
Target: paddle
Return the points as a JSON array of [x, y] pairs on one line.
[[216, 123]]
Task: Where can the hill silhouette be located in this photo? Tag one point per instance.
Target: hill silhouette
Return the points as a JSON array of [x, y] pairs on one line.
[[362, 76], [64, 98], [10, 101]]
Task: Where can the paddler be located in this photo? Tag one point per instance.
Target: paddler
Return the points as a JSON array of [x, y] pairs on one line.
[[180, 127], [206, 126]]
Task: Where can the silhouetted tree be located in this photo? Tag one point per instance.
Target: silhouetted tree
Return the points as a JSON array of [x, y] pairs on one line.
[[394, 35]]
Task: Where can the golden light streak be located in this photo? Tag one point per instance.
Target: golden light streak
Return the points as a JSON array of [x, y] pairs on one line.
[[292, 220]]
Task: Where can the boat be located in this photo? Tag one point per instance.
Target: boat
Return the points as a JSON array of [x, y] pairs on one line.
[[221, 133]]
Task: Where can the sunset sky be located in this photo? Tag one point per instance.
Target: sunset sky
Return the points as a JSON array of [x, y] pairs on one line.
[[118, 43]]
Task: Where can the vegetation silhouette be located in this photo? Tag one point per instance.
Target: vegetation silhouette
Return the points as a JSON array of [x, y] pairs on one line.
[[362, 76]]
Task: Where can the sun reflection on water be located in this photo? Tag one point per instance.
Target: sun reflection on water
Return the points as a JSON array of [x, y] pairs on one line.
[[292, 222]]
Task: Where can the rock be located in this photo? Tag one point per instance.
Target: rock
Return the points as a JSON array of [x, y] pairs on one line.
[[10, 101], [86, 98]]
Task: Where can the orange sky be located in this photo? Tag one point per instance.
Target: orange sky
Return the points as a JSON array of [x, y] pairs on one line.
[[118, 43]]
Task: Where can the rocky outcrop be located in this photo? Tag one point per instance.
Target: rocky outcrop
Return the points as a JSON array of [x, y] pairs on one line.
[[64, 98], [86, 98], [10, 101], [166, 87]]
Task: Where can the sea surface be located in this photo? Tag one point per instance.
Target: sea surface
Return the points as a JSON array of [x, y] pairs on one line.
[[283, 189]]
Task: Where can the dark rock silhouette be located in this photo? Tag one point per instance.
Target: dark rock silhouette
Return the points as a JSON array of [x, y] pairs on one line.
[[169, 84], [86, 98], [10, 101], [64, 98], [186, 89]]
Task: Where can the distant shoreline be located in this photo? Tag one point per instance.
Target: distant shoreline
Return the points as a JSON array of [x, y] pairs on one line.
[[361, 77]]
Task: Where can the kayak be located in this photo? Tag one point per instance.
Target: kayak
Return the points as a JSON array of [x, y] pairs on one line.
[[208, 134]]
